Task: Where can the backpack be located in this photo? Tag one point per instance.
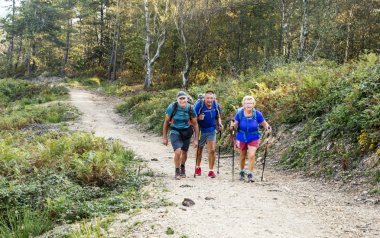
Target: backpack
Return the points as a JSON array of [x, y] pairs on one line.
[[201, 100], [240, 115], [175, 108], [184, 133]]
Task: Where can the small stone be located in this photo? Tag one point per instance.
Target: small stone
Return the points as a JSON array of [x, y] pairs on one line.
[[187, 202], [154, 159], [209, 198], [186, 186]]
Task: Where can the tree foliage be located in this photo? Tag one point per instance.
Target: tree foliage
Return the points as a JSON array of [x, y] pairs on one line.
[[204, 39]]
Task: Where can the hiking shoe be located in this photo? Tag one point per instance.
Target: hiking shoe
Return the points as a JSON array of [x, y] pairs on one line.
[[241, 176], [250, 177], [198, 171], [211, 174], [177, 175], [183, 171]]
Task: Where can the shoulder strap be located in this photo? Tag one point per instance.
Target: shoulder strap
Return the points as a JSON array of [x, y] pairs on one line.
[[175, 108], [240, 114], [217, 107], [202, 102], [254, 114], [190, 110]]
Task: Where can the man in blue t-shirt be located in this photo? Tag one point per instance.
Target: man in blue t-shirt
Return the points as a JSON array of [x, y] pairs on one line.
[[180, 115], [208, 114]]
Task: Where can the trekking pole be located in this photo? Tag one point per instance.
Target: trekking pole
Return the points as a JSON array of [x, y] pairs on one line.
[[220, 137], [265, 156], [233, 154], [196, 157], [196, 160]]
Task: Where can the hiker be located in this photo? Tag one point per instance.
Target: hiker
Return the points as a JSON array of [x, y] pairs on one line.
[[180, 115], [209, 120], [246, 121]]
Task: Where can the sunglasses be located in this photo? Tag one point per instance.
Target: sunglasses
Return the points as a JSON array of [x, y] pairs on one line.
[[182, 98]]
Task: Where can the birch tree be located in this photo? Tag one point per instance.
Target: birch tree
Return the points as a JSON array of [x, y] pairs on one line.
[[285, 42], [180, 25], [304, 30], [160, 32]]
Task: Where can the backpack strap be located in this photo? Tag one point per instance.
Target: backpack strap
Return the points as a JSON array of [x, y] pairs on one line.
[[190, 109], [202, 102], [241, 114], [175, 109]]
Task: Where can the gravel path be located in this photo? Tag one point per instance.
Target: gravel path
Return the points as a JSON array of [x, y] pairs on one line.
[[282, 206]]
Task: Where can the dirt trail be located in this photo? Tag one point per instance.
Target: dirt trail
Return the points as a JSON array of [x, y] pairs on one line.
[[284, 206]]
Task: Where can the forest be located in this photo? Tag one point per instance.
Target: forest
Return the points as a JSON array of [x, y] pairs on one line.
[[84, 86], [179, 42]]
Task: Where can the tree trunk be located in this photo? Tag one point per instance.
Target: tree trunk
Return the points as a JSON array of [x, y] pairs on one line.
[[161, 34], [101, 40], [186, 70], [240, 32], [113, 59], [280, 42], [148, 76], [66, 51], [11, 41], [286, 32], [18, 54], [346, 53], [304, 31]]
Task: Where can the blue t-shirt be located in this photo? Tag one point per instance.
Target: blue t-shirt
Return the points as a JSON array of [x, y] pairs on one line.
[[181, 117], [248, 126], [208, 124]]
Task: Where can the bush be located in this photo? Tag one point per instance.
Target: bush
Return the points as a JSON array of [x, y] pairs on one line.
[[18, 118], [71, 176], [339, 106], [24, 92]]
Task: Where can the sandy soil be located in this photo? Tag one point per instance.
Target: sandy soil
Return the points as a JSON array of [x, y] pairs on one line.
[[281, 206]]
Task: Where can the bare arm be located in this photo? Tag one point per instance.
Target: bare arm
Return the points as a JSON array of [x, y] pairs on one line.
[[165, 130], [194, 122], [266, 126], [219, 122]]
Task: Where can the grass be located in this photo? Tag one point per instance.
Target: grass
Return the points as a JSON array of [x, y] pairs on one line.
[[44, 167], [24, 223]]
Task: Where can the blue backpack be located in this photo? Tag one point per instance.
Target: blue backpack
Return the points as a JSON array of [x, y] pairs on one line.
[[241, 115], [202, 102]]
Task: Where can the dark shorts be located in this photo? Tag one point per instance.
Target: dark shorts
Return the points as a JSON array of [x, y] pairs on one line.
[[177, 142], [206, 136]]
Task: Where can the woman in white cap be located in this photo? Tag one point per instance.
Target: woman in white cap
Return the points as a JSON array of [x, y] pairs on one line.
[[180, 115]]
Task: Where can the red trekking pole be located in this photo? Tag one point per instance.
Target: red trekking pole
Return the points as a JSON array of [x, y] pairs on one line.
[[233, 152]]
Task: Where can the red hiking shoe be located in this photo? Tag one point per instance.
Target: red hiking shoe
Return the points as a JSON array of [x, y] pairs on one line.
[[198, 171], [211, 174]]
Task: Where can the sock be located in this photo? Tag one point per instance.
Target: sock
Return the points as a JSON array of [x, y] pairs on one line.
[[182, 165], [177, 170], [211, 170], [242, 170], [250, 173]]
